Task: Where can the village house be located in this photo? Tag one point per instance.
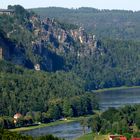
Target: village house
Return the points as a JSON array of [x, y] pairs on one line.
[[37, 67], [16, 117], [4, 53], [6, 11], [120, 137], [1, 53]]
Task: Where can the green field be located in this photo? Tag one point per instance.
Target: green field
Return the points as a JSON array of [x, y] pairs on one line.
[[101, 137], [91, 136], [86, 137], [115, 88]]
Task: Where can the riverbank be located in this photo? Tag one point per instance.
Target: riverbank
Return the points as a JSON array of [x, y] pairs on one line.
[[88, 136], [69, 120], [91, 136], [101, 137], [114, 88]]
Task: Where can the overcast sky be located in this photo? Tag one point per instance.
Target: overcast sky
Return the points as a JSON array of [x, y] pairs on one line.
[[100, 4]]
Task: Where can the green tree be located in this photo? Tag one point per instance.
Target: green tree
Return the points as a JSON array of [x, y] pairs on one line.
[[54, 111], [67, 109], [97, 124]]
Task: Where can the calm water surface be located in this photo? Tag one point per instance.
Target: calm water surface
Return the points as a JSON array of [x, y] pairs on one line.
[[69, 131], [117, 98]]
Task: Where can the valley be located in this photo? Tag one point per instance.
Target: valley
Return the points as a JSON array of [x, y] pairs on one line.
[[59, 63]]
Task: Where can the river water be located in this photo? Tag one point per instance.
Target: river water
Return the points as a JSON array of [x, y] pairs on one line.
[[117, 98], [68, 131]]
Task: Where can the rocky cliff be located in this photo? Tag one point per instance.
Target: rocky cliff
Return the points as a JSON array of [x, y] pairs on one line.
[[30, 41]]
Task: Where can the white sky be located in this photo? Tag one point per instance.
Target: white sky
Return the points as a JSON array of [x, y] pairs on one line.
[[100, 4]]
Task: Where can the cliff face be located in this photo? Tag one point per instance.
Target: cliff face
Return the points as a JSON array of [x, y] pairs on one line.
[[30, 41], [63, 41], [11, 51]]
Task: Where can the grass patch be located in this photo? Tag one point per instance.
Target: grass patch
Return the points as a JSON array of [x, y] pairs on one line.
[[114, 88], [101, 137], [86, 137], [92, 136]]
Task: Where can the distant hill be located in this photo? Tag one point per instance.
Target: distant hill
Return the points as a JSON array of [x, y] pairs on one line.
[[116, 24]]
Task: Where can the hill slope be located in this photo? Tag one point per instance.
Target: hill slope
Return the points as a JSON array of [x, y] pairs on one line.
[[28, 40], [59, 94], [55, 45]]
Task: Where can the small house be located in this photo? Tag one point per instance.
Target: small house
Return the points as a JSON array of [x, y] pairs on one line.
[[123, 138], [113, 137], [6, 11], [1, 53], [16, 117], [37, 67]]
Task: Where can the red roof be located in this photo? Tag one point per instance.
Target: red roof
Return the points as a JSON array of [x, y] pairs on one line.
[[117, 136], [17, 115], [123, 138]]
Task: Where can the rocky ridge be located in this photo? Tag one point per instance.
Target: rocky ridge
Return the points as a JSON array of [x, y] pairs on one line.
[[48, 42]]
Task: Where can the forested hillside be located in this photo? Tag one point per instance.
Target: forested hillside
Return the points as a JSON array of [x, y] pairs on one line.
[[53, 45], [57, 94], [71, 63], [27, 42], [116, 64], [116, 24]]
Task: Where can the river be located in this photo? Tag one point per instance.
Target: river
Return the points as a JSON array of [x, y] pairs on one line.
[[68, 131], [117, 98]]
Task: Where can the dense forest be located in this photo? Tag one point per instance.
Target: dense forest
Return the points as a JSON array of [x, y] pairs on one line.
[[45, 95], [117, 63], [39, 96], [116, 24]]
